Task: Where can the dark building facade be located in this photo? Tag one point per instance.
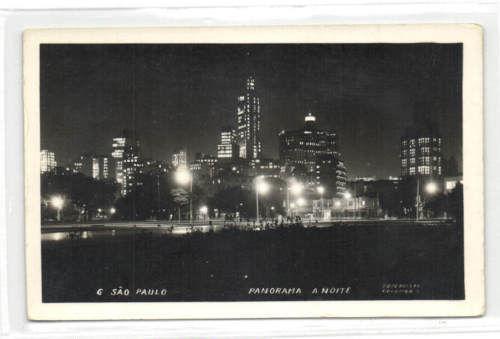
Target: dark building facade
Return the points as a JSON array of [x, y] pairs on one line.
[[387, 192], [311, 155]]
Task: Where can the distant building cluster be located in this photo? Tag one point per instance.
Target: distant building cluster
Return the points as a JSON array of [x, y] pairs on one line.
[[309, 155]]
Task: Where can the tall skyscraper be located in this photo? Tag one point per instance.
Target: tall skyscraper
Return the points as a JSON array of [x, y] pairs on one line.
[[47, 161], [227, 147], [312, 155], [118, 155], [249, 122], [421, 153], [127, 160], [100, 167]]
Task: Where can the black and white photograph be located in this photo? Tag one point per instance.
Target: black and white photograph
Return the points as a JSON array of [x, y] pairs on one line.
[[263, 172]]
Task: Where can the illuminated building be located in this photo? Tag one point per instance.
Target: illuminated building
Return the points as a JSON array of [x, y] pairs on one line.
[[227, 148], [421, 153], [95, 166], [203, 168], [179, 158], [266, 167], [249, 122], [312, 155], [127, 160], [100, 167], [341, 207], [451, 182], [47, 161]]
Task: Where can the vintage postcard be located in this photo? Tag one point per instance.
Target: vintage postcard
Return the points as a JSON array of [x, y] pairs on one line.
[[254, 172]]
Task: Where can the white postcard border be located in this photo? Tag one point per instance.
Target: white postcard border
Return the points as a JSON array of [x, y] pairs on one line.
[[468, 34]]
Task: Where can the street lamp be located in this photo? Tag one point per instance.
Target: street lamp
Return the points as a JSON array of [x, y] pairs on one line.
[[296, 189], [183, 177], [321, 191], [58, 202], [261, 187], [431, 188], [112, 210], [204, 211], [348, 196]]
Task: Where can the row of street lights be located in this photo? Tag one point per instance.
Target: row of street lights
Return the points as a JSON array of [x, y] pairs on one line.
[[184, 177], [58, 202], [294, 188]]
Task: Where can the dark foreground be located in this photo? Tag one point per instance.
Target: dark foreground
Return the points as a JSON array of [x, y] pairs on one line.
[[390, 261]]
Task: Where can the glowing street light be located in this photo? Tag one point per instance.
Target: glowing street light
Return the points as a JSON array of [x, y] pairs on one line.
[[347, 195], [261, 187], [431, 188], [204, 211], [296, 188], [58, 203], [301, 202], [321, 191], [183, 177], [112, 210]]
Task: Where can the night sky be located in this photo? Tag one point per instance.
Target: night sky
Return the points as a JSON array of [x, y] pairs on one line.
[[178, 96]]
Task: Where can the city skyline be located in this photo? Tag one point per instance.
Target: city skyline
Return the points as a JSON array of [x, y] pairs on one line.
[[369, 141]]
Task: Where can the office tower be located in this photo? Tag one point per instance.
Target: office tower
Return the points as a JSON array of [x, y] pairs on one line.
[[47, 161], [311, 154], [249, 122]]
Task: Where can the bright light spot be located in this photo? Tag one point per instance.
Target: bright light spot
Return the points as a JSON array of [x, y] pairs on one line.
[[261, 186], [57, 236], [272, 208], [112, 210], [347, 195], [57, 201], [337, 203], [203, 209], [431, 188], [296, 188], [182, 176], [450, 185], [99, 210], [320, 189], [292, 205], [301, 202]]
